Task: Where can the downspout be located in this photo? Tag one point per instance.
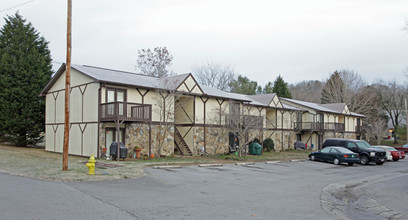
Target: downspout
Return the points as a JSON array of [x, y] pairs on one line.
[[99, 117]]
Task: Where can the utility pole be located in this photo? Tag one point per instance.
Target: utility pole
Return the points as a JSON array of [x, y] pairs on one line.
[[67, 89], [406, 122]]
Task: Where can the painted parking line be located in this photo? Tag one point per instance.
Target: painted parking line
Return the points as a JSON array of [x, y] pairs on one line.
[[211, 165], [272, 162], [245, 164], [300, 160], [167, 167]]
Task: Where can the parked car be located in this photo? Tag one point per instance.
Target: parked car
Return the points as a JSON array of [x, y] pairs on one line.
[[403, 148], [336, 155], [366, 152], [392, 153]]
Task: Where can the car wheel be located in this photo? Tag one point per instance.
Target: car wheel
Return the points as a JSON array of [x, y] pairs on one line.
[[336, 161], [379, 163], [350, 164], [312, 157], [364, 160], [395, 159]]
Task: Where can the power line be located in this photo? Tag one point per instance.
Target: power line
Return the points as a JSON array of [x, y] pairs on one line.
[[17, 6]]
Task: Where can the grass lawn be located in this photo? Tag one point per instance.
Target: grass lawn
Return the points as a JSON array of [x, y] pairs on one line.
[[39, 164]]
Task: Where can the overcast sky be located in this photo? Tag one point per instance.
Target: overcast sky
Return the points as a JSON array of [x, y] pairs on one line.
[[298, 39]]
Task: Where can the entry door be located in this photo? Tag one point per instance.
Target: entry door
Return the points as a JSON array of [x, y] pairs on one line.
[[110, 136]]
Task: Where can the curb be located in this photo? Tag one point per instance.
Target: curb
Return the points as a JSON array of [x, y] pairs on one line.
[[245, 164], [330, 202], [211, 165], [166, 167]]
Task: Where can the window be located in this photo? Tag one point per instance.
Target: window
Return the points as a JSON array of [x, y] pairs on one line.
[[351, 145], [115, 99], [326, 150], [334, 150]]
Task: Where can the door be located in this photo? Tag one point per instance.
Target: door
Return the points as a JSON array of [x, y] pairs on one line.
[[324, 154], [110, 136]]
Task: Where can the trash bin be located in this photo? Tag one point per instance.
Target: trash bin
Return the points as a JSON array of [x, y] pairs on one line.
[[255, 148], [114, 150], [300, 145]]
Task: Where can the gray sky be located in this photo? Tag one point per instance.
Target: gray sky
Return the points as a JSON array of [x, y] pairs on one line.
[[298, 39]]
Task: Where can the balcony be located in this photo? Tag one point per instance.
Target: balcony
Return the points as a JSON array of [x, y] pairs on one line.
[[246, 121], [125, 111], [360, 129], [317, 126], [332, 126]]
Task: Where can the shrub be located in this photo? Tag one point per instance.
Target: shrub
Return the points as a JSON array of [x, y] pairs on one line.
[[268, 144], [256, 140]]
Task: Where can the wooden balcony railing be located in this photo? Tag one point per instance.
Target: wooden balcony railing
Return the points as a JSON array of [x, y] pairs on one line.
[[317, 126], [359, 129], [125, 111], [250, 121], [332, 126]]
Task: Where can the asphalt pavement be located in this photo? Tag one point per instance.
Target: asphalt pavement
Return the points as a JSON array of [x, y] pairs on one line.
[[287, 190]]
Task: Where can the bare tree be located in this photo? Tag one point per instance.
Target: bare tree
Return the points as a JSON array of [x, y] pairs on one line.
[[377, 129], [309, 91], [155, 63], [347, 86], [214, 75], [165, 102], [333, 90], [240, 122], [391, 97]]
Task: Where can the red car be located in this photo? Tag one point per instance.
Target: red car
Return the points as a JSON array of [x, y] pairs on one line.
[[392, 153], [396, 155], [403, 148]]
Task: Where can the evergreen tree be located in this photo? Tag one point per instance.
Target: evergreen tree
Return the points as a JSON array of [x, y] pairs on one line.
[[244, 86], [280, 87], [268, 88], [25, 68]]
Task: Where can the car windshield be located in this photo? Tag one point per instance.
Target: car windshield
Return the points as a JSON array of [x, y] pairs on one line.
[[393, 149], [363, 144], [344, 150]]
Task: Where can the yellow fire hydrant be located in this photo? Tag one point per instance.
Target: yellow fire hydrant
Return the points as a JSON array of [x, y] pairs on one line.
[[91, 165]]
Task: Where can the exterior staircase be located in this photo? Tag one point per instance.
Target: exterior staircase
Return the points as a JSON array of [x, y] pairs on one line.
[[181, 144]]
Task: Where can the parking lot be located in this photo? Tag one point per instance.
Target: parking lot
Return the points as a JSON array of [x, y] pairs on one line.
[[287, 190]]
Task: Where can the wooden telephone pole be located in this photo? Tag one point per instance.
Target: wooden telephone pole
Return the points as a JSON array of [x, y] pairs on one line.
[[67, 90], [406, 114]]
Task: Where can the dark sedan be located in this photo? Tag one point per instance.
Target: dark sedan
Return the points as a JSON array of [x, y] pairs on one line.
[[336, 155]]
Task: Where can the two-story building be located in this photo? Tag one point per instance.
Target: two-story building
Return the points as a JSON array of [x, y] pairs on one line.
[[320, 121], [177, 115]]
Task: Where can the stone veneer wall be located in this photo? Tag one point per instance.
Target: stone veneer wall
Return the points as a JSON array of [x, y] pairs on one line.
[[217, 140], [137, 134], [288, 142], [350, 135]]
